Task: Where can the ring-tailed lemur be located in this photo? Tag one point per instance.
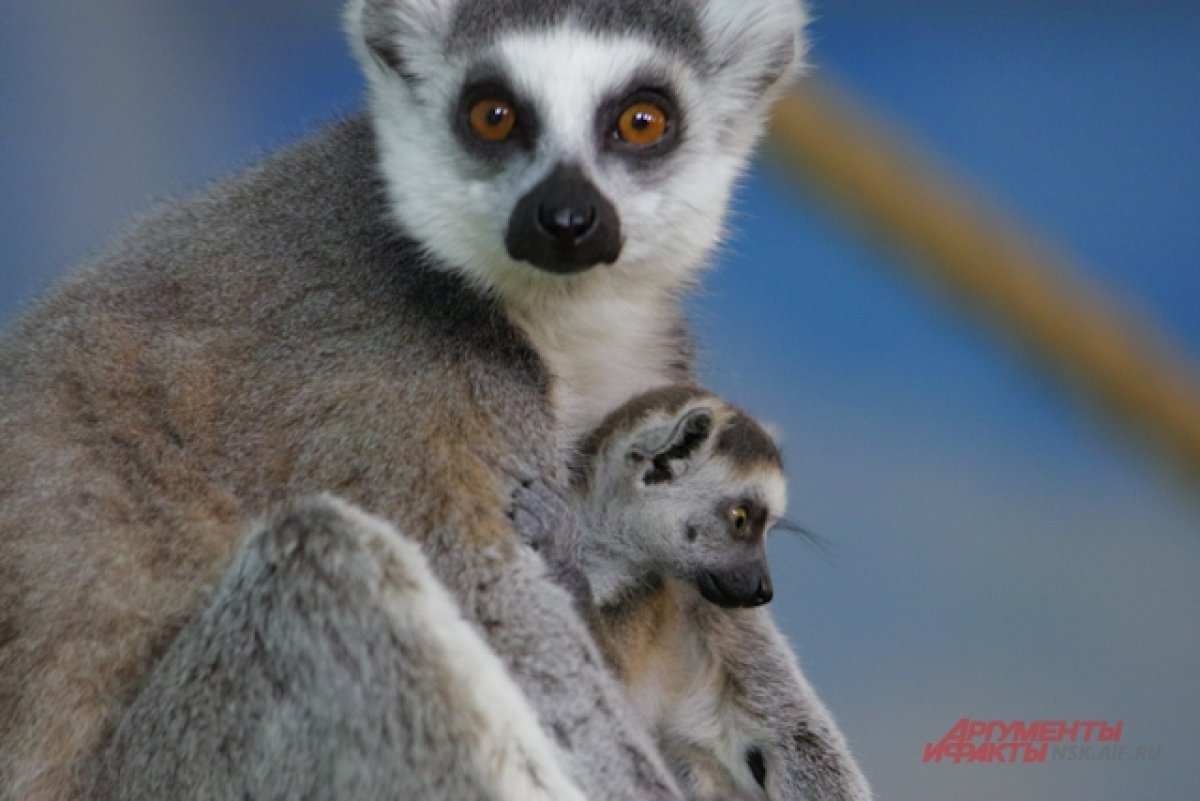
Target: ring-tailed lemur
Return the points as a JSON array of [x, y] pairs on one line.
[[416, 310], [677, 490]]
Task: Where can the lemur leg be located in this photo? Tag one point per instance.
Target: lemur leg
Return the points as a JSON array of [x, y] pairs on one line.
[[329, 663]]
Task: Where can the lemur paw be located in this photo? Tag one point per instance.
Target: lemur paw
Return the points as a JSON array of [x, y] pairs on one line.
[[545, 520], [539, 513]]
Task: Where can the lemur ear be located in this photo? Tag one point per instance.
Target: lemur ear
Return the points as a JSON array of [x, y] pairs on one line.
[[392, 33], [755, 47], [659, 457]]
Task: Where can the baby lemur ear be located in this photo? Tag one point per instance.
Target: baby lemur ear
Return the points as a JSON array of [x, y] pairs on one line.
[[392, 33], [689, 433]]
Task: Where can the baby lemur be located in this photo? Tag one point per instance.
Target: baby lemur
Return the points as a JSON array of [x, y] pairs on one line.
[[677, 490]]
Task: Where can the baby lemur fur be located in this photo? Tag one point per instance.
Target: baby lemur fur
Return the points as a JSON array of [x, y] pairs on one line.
[[678, 490]]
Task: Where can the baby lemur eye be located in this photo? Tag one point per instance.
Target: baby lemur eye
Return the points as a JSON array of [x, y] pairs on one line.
[[642, 124], [492, 119], [739, 516]]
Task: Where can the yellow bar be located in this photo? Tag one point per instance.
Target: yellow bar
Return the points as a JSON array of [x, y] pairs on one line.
[[987, 262]]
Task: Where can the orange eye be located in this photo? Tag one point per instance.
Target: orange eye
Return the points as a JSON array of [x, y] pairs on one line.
[[739, 516], [642, 124], [492, 119]]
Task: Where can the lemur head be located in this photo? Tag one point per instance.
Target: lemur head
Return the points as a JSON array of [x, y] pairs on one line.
[[679, 483], [538, 144]]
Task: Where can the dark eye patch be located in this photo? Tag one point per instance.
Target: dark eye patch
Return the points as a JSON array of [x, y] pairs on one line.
[[651, 88], [487, 82], [757, 514]]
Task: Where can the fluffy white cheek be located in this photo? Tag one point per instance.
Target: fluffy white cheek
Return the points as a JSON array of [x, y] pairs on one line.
[[477, 193], [678, 222], [458, 219], [638, 213]]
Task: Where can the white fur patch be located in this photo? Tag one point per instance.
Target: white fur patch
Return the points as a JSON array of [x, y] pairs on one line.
[[605, 334]]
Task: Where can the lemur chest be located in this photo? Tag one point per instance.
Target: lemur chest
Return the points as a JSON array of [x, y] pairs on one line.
[[640, 639], [591, 382], [602, 359]]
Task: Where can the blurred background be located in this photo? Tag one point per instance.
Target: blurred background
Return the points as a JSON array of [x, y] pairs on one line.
[[996, 547]]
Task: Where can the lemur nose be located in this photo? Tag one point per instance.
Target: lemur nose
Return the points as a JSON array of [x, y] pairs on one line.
[[564, 224], [746, 585], [567, 224], [764, 593]]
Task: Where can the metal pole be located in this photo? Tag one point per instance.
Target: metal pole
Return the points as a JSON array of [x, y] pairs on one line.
[[990, 264]]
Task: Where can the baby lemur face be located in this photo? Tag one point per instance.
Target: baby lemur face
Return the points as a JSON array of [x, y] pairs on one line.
[[678, 483]]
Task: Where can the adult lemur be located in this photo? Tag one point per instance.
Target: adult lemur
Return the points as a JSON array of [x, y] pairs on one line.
[[415, 310], [677, 490]]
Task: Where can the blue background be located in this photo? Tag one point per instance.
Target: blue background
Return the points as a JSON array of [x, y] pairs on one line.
[[995, 551]]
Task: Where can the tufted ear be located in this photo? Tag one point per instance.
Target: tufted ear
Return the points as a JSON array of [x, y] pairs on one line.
[[394, 33], [657, 453], [755, 47]]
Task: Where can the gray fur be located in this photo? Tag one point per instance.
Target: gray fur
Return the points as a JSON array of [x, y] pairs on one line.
[[340, 319], [771, 707], [628, 416], [745, 444], [546, 519], [349, 676], [655, 483], [273, 338], [712, 683], [671, 24]]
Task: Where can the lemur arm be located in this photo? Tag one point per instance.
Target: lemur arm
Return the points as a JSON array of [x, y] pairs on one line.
[[546, 521]]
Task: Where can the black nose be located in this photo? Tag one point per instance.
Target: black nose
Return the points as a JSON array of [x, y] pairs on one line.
[[746, 585], [568, 225], [564, 224], [764, 593]]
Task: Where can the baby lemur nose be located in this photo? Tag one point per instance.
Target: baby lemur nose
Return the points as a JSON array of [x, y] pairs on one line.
[[765, 591], [744, 586], [564, 224]]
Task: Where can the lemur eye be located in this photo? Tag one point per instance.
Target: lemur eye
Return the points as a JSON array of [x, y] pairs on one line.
[[642, 124], [739, 516], [492, 119]]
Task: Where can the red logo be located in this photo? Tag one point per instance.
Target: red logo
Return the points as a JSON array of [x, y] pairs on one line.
[[989, 741]]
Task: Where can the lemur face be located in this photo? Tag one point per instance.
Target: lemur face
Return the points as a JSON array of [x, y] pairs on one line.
[[730, 563], [707, 512], [527, 141], [689, 487]]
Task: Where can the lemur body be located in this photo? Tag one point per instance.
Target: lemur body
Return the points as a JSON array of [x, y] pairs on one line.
[[145, 428], [340, 584], [677, 491], [416, 310]]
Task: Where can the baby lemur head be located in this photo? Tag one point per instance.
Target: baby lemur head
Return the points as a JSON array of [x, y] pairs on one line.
[[678, 483], [522, 139]]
